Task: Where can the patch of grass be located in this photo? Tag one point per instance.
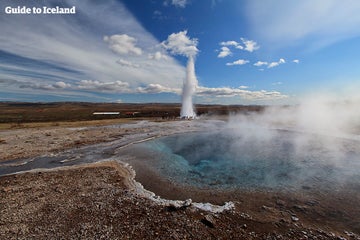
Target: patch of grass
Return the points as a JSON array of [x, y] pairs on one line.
[[9, 126]]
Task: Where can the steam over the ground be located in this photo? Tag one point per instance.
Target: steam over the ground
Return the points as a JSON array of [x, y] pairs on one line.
[[323, 136], [317, 114]]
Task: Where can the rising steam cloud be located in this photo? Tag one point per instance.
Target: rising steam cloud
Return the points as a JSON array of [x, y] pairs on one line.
[[315, 144], [323, 132], [321, 114], [180, 44]]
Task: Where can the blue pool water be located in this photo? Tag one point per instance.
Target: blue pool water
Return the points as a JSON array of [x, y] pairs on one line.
[[240, 159]]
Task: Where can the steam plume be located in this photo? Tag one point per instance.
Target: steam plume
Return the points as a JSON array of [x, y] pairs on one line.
[[181, 44], [324, 124]]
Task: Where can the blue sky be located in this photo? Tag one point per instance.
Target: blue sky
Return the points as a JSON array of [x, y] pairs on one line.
[[247, 52]]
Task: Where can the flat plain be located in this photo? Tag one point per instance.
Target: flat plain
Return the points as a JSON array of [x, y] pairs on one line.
[[98, 200]]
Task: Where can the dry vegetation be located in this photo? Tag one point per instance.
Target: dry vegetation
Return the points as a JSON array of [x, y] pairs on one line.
[[16, 114]]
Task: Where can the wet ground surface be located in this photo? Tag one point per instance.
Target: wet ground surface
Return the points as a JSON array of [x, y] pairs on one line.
[[328, 213], [127, 135]]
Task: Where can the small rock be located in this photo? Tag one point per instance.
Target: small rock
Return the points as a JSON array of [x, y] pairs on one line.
[[280, 202], [294, 218], [350, 234], [209, 221], [6, 189], [58, 190], [282, 220], [299, 208], [266, 208], [341, 238], [312, 203]]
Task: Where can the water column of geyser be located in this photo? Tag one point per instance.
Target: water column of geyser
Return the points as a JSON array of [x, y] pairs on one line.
[[180, 44], [190, 82]]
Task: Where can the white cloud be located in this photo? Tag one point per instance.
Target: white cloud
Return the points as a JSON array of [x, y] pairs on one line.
[[45, 86], [117, 86], [122, 44], [176, 3], [275, 64], [269, 65], [57, 54], [250, 45], [179, 3], [229, 43], [260, 63], [296, 61], [225, 51], [324, 22], [157, 88], [126, 63], [158, 56], [62, 85], [245, 94], [180, 43], [238, 62]]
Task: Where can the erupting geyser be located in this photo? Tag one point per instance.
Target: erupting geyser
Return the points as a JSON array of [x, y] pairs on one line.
[[189, 87], [180, 44]]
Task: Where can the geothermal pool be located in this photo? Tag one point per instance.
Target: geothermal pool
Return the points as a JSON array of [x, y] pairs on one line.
[[253, 159]]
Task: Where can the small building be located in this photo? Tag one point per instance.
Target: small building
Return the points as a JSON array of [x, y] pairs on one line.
[[106, 113]]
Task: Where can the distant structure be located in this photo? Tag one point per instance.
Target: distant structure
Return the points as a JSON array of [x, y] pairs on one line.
[[106, 113]]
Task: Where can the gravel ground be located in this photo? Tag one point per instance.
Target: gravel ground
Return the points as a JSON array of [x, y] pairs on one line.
[[30, 142], [98, 202]]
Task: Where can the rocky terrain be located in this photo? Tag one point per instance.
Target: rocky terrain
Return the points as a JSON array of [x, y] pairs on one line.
[[98, 202], [103, 201], [35, 141]]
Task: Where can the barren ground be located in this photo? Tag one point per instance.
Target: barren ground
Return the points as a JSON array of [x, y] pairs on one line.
[[98, 200]]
